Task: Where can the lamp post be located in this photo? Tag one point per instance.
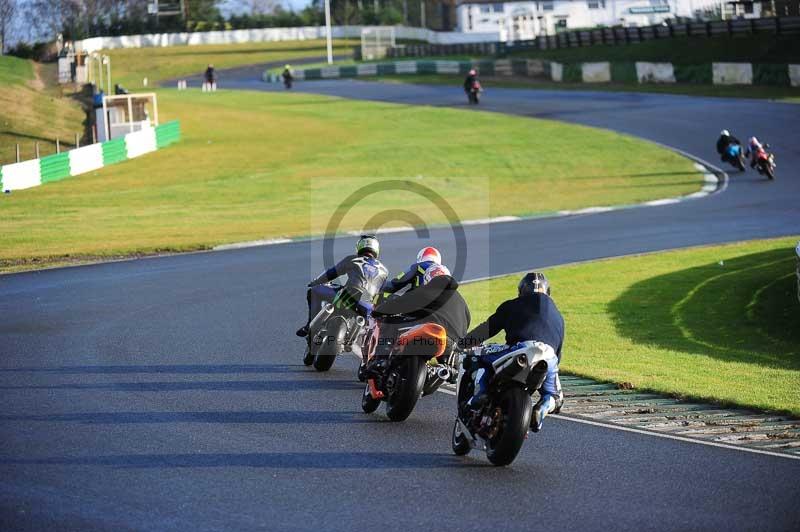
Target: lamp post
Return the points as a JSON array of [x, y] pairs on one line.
[[328, 30]]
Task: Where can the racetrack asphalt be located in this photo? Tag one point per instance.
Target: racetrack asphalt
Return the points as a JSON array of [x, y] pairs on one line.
[[168, 393]]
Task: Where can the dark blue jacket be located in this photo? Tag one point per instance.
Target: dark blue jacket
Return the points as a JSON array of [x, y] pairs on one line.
[[531, 317]]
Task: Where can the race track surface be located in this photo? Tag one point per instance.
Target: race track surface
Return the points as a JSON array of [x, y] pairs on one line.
[[168, 393]]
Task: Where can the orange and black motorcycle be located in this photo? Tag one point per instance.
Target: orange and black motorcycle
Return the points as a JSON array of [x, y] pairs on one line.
[[412, 368]]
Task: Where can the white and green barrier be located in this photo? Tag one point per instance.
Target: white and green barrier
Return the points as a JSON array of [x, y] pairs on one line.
[[59, 166], [639, 72], [382, 69], [645, 72]]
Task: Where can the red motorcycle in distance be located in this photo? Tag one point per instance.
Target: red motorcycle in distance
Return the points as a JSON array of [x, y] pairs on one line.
[[474, 93], [402, 376], [765, 162]]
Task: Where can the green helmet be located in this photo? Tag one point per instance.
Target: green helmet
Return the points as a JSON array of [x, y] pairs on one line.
[[368, 243]]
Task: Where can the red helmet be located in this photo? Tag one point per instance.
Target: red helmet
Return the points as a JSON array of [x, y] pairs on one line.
[[429, 254], [434, 270]]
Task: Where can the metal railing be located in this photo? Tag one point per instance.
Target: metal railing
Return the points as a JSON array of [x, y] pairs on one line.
[[610, 36]]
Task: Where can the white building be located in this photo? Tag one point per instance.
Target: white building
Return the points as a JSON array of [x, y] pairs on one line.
[[526, 20]]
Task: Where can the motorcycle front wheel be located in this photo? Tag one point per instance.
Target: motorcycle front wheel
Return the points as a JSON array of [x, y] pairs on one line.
[[308, 357], [368, 403], [515, 407], [460, 442], [407, 391]]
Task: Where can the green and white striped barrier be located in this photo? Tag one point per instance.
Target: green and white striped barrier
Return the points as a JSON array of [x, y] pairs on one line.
[[56, 167], [384, 69], [646, 72], [594, 72]]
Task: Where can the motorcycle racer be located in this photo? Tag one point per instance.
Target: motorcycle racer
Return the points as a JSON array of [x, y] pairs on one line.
[[753, 147], [413, 276], [365, 276], [725, 139], [531, 316]]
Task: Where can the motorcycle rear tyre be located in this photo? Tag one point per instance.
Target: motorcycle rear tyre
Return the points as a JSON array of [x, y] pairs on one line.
[[516, 407], [402, 401]]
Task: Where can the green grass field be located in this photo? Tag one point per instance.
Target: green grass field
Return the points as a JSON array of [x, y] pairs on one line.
[[782, 94], [131, 65], [718, 323], [34, 110], [692, 50], [249, 161]]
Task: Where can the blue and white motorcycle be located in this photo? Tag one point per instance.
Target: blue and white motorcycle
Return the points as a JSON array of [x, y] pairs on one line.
[[500, 424], [735, 156]]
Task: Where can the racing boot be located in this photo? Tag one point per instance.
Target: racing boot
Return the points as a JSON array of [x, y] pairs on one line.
[[545, 406]]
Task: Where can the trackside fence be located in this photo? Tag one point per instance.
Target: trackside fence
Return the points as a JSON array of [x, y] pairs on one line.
[[608, 36]]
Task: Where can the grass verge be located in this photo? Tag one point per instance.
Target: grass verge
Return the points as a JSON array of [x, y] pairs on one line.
[[259, 165], [718, 323], [34, 109], [131, 65], [782, 94]]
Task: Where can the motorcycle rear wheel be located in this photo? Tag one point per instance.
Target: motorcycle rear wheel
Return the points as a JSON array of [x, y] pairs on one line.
[[515, 406], [331, 346], [404, 397]]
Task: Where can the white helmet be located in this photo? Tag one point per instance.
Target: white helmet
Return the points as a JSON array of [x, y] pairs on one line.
[[367, 244], [429, 254], [725, 133], [434, 270]]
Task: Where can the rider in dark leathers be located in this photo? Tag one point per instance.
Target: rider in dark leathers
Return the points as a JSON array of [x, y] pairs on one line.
[[532, 316], [725, 139], [436, 301], [365, 277]]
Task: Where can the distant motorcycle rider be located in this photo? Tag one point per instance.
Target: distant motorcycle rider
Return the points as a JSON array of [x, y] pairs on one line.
[[531, 316], [287, 76], [753, 147], [436, 301], [413, 276], [471, 79], [725, 139], [365, 276]]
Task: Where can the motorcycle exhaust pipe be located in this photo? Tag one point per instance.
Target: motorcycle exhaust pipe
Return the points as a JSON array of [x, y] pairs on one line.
[[443, 373], [322, 315], [352, 335]]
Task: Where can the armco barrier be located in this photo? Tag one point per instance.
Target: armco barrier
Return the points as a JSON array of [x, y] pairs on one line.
[[700, 74], [595, 72], [167, 134], [55, 167]]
